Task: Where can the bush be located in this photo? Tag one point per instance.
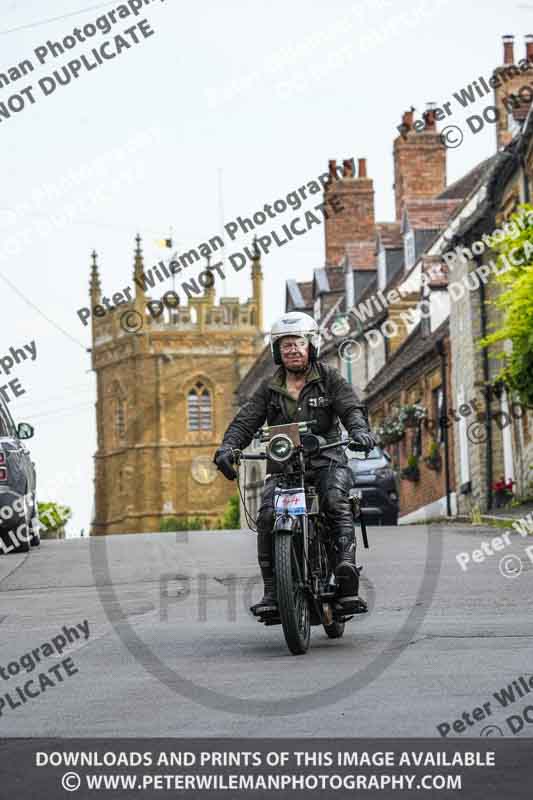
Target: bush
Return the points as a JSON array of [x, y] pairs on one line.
[[52, 517], [232, 517], [183, 524]]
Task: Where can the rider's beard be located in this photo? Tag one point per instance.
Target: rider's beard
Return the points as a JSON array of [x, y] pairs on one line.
[[298, 370]]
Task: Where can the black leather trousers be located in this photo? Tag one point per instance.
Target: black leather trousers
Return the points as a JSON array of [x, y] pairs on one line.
[[332, 483]]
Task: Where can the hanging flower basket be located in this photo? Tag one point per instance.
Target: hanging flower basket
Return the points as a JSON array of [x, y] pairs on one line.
[[411, 415], [412, 471], [390, 431], [433, 460], [434, 463]]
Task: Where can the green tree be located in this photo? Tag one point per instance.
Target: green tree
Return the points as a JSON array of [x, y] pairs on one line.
[[231, 517], [52, 517], [516, 304]]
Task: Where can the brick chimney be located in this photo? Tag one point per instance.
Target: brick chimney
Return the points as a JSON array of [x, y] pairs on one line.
[[419, 160], [355, 195], [512, 95], [508, 49], [529, 47]]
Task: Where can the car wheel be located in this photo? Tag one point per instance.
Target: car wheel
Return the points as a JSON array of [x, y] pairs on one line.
[[34, 527], [389, 518], [24, 541]]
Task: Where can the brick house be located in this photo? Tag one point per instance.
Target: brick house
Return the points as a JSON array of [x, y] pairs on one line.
[[419, 373]]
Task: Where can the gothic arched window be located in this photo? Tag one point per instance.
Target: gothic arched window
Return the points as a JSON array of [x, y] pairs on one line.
[[199, 408]]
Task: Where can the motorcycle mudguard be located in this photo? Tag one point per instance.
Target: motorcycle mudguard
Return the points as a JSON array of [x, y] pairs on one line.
[[286, 523]]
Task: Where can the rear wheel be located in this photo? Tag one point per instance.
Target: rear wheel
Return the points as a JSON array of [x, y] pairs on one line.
[[292, 601], [333, 629]]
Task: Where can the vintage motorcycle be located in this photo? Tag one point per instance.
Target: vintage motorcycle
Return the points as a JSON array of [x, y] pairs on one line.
[[304, 554]]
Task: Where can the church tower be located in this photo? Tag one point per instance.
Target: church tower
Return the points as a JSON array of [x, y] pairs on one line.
[[166, 380]]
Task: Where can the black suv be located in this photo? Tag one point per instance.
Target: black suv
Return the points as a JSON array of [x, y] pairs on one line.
[[377, 482], [18, 505]]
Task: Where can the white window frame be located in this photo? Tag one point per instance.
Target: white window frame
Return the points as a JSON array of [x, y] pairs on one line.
[[464, 454], [507, 438], [409, 248]]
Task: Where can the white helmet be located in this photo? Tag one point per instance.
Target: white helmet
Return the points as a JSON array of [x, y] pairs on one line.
[[294, 323]]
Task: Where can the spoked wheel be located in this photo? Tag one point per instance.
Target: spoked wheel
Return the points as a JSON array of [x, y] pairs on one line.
[[292, 601]]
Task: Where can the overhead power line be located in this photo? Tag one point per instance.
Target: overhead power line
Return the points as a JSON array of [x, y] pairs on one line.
[[56, 19], [38, 310]]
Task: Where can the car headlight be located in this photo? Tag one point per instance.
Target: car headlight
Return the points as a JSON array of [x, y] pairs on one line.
[[384, 473], [280, 448]]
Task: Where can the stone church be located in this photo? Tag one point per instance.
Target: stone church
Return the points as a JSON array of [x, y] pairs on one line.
[[165, 395]]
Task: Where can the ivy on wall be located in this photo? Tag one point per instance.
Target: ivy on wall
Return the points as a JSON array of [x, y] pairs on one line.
[[516, 304]]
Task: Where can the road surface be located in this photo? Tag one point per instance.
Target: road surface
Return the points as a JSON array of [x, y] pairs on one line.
[[172, 650]]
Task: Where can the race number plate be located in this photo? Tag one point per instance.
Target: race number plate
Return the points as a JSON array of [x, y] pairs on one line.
[[290, 501]]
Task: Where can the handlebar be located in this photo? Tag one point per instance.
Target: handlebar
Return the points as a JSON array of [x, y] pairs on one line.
[[240, 456]]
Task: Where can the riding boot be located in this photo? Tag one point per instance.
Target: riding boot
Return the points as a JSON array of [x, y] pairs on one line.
[[264, 554], [347, 575]]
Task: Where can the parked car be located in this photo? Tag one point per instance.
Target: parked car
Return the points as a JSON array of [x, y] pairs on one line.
[[378, 484], [18, 504]]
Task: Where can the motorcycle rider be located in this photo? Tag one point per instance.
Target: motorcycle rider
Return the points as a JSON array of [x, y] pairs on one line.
[[303, 388]]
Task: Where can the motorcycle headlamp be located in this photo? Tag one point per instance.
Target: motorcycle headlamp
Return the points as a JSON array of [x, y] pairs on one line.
[[280, 447]]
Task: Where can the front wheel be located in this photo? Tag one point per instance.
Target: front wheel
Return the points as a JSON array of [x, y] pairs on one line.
[[292, 600]]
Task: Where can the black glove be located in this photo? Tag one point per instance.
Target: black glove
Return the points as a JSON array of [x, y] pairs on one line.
[[360, 439], [224, 460]]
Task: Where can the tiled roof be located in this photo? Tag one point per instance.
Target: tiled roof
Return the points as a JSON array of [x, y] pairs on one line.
[[462, 187], [390, 235], [411, 352], [430, 215], [361, 255]]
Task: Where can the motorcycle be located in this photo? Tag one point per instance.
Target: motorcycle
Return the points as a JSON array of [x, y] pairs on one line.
[[304, 553]]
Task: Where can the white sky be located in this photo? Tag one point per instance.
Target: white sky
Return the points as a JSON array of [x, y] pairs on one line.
[[267, 93]]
